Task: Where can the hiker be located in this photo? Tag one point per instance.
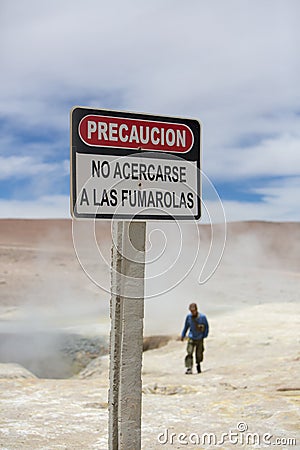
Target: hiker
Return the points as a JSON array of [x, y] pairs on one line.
[[198, 326]]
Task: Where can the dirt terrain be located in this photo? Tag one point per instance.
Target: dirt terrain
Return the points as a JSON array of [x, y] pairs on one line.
[[249, 387]]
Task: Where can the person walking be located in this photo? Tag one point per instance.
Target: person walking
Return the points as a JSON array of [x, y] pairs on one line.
[[198, 325]]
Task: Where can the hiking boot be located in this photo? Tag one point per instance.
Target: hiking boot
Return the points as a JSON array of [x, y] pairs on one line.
[[188, 372], [198, 368]]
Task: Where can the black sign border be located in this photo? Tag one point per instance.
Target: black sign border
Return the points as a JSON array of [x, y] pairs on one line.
[[77, 114]]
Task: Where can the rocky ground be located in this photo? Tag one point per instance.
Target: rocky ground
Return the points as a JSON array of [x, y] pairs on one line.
[[249, 386], [247, 379]]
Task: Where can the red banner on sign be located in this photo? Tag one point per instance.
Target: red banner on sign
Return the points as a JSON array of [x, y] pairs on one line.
[[107, 131]]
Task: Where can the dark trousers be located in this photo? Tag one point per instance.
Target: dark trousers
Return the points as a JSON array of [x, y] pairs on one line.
[[198, 347]]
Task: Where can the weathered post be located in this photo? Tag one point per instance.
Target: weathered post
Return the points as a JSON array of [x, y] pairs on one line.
[[126, 337]]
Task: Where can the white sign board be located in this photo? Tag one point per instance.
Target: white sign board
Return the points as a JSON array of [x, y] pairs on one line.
[[126, 165]]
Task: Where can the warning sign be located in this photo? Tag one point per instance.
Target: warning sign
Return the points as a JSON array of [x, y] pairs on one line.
[[128, 165]]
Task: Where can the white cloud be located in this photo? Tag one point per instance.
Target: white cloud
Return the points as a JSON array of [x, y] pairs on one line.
[[234, 65], [280, 202], [207, 57], [27, 166], [278, 156], [51, 207]]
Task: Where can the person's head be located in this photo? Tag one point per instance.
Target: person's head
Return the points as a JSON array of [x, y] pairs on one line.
[[193, 308]]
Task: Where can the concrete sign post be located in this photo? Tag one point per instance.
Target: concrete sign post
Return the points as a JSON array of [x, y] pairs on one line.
[[131, 167], [126, 338]]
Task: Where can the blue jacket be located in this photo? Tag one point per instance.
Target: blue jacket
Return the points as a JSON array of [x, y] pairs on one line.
[[191, 324]]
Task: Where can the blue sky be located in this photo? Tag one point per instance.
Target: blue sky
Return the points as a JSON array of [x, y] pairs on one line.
[[234, 65]]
